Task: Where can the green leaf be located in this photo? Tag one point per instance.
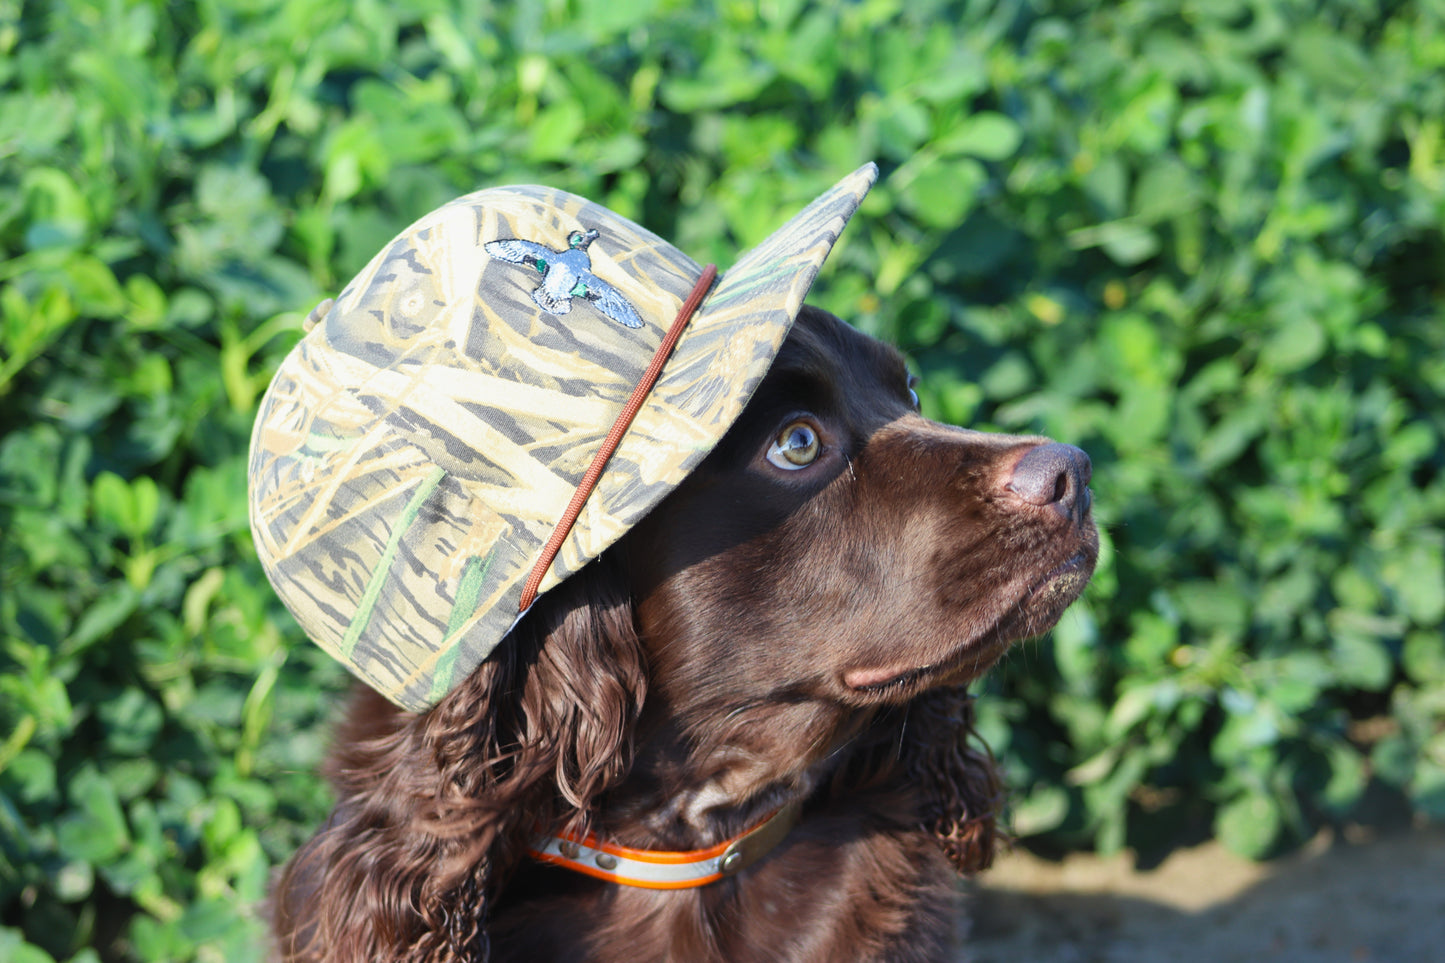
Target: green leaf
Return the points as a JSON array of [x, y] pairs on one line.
[[74, 880], [58, 212], [1249, 825], [27, 466], [942, 191], [727, 76], [26, 326], [1360, 660], [1417, 573], [1212, 606], [1301, 678], [1247, 729], [1075, 641], [903, 127], [1298, 343], [1348, 778], [112, 501], [131, 722], [156, 941], [1010, 376], [556, 130], [94, 830], [116, 604], [1166, 189], [94, 287], [1039, 811], [211, 920], [132, 777], [1126, 243], [1423, 657], [603, 18], [985, 135], [1393, 760], [355, 156], [1231, 435], [33, 773], [1131, 707], [14, 948]]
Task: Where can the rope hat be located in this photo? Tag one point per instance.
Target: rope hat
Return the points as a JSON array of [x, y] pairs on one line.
[[415, 455]]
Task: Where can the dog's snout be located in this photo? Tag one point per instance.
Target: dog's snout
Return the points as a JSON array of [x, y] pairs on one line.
[[1054, 475]]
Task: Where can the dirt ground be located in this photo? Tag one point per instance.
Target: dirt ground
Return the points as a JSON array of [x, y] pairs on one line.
[[1378, 899]]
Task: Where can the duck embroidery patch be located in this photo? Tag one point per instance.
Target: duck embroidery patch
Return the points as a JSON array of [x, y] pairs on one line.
[[567, 275]]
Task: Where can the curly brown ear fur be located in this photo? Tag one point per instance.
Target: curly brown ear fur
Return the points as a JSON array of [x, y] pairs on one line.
[[962, 793], [434, 809]]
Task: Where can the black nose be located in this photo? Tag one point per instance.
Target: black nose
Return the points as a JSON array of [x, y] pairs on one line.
[[1054, 475]]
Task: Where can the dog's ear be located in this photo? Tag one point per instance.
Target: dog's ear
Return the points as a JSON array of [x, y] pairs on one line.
[[956, 773], [434, 810]]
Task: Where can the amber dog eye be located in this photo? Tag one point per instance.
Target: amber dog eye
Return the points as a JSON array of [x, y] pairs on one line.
[[797, 446]]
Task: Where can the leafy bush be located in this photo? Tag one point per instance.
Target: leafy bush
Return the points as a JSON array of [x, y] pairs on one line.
[[1201, 239]]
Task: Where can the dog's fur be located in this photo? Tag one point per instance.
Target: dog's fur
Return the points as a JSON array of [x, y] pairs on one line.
[[762, 636]]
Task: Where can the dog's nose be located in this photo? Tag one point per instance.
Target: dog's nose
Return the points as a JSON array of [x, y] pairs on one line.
[[1054, 475]]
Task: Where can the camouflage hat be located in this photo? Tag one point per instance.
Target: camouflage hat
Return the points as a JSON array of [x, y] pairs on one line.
[[418, 447]]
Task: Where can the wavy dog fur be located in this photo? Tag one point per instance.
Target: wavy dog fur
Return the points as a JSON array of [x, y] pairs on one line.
[[769, 633]]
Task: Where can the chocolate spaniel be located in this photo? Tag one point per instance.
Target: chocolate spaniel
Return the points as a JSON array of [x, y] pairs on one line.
[[791, 631]]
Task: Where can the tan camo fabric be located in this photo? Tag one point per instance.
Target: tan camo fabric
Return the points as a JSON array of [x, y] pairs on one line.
[[418, 446]]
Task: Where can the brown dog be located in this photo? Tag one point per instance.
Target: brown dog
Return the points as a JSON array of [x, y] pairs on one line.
[[792, 627]]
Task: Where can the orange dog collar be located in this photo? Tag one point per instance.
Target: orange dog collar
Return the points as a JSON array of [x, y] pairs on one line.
[[659, 869]]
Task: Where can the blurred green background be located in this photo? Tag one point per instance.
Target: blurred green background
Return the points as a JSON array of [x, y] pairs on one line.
[[1200, 238]]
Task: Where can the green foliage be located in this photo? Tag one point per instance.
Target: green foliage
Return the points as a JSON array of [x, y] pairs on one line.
[[1201, 238], [1222, 278]]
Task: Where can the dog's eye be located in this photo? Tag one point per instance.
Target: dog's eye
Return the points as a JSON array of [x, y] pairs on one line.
[[797, 446], [913, 394]]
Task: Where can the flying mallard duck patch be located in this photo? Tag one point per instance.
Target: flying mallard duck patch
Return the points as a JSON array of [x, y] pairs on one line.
[[567, 275]]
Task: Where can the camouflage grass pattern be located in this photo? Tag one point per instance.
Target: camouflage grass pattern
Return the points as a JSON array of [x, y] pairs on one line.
[[418, 446]]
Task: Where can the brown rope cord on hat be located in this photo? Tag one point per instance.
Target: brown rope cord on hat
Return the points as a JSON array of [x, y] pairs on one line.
[[614, 437]]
